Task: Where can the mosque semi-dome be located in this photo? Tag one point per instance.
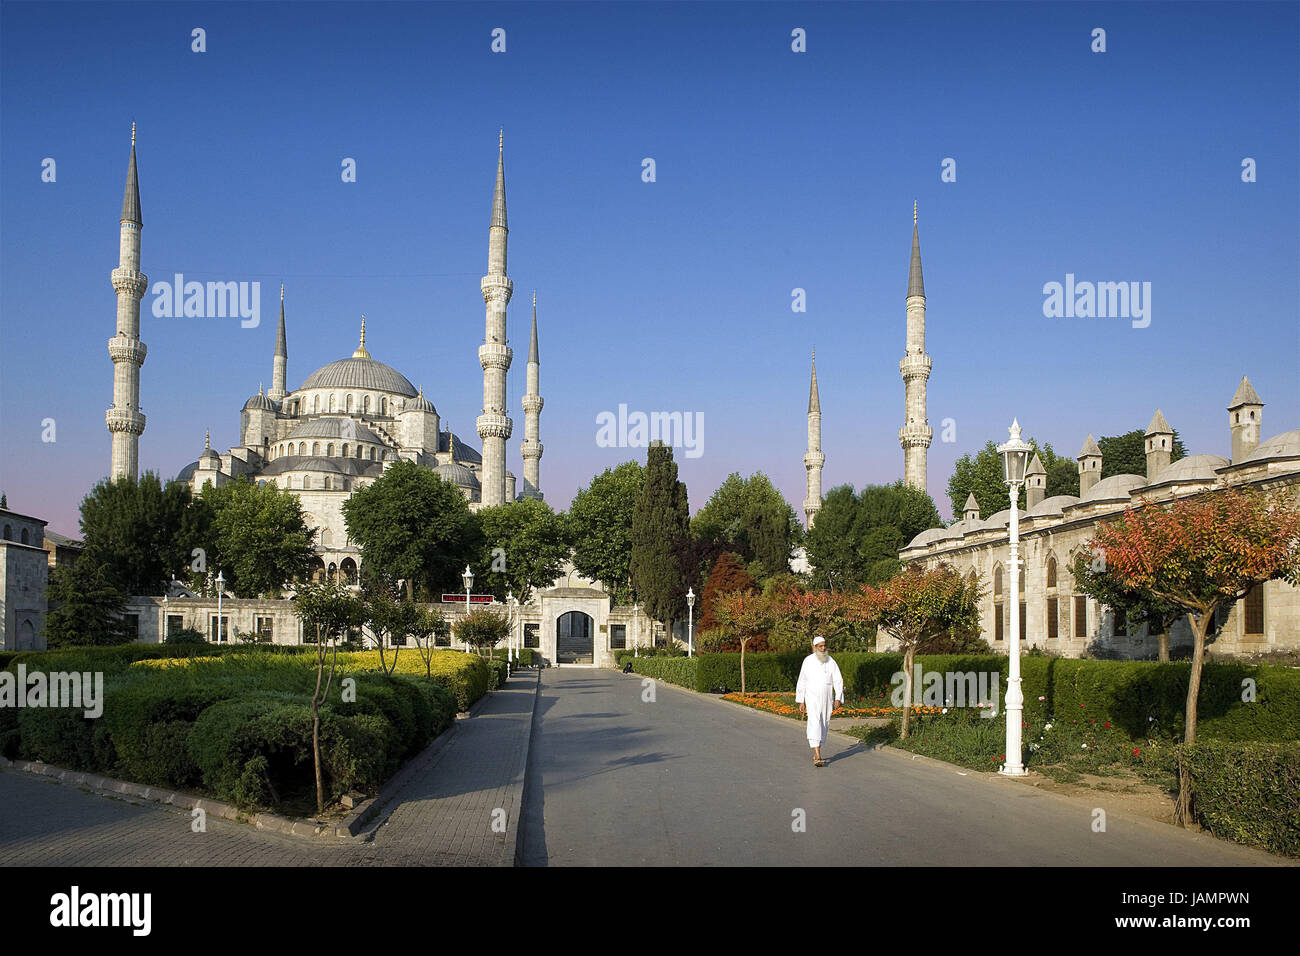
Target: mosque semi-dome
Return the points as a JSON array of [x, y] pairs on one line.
[[333, 428], [360, 373]]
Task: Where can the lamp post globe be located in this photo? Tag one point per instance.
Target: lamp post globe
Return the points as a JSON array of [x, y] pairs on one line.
[[690, 622], [1015, 457]]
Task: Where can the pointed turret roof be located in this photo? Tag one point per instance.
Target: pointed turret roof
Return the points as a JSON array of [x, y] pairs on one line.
[[131, 198], [1158, 425], [915, 283], [814, 396], [1036, 466], [499, 194], [1090, 448], [281, 341], [971, 504], [532, 342], [1245, 395]]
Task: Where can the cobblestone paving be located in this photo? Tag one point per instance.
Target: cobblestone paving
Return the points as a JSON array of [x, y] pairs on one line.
[[444, 816]]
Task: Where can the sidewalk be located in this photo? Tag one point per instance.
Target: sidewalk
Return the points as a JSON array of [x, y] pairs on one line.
[[462, 807]]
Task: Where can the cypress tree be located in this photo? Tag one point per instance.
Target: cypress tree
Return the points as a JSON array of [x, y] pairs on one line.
[[662, 518]]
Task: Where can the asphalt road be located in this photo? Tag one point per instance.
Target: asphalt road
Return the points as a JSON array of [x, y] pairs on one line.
[[687, 780]]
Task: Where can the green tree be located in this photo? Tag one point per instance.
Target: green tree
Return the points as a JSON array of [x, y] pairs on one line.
[[600, 527], [525, 545], [1126, 454], [86, 606], [428, 627], [388, 616], [257, 536], [413, 526], [483, 627], [325, 609], [751, 518], [660, 521], [982, 476], [133, 528], [856, 538]]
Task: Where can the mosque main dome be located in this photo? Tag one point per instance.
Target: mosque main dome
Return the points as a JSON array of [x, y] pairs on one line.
[[360, 373]]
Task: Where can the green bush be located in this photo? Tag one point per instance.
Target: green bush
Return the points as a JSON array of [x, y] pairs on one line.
[[675, 670], [524, 656], [185, 635], [64, 737], [1247, 792], [148, 722], [498, 669]]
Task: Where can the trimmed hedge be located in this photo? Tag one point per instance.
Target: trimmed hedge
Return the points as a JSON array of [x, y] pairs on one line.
[[682, 671], [467, 676], [524, 655], [1247, 792]]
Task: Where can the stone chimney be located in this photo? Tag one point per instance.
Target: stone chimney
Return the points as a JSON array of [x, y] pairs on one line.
[[1160, 445], [971, 510], [1035, 482], [1089, 466], [1245, 414]]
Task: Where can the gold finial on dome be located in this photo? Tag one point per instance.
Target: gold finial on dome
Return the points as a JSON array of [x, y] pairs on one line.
[[361, 349], [132, 134], [207, 441], [914, 212]]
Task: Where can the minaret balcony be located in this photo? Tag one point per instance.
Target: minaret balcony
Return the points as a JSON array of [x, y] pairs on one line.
[[814, 459], [533, 404], [495, 355], [124, 420], [493, 426], [531, 449], [128, 280], [123, 349], [497, 287], [915, 366], [914, 435]]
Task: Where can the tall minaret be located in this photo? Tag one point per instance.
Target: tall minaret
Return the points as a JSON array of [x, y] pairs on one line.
[[915, 434], [280, 365], [494, 425], [814, 460], [533, 402], [124, 419]]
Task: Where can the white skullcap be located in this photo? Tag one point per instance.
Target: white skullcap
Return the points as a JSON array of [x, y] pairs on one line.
[[818, 640]]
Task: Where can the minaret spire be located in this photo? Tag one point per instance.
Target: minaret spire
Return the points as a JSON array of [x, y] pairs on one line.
[[494, 425], [532, 402], [280, 363], [124, 419], [915, 435], [814, 459]]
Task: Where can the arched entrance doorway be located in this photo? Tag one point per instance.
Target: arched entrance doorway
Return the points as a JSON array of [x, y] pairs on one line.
[[574, 638]]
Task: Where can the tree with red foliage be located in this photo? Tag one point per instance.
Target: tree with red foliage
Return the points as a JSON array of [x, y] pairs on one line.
[[1201, 553], [750, 616], [728, 575]]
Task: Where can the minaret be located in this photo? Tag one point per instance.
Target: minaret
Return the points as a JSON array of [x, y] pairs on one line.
[[814, 459], [124, 419], [494, 425], [533, 401], [915, 434], [280, 365]]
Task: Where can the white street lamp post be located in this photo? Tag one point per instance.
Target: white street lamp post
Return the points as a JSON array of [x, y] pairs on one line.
[[511, 613], [468, 578], [221, 585], [163, 639], [1015, 455], [636, 631], [690, 622]]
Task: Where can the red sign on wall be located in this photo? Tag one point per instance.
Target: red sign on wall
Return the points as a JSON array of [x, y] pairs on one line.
[[473, 599]]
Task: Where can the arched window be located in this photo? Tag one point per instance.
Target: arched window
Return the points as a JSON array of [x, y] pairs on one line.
[[1053, 602], [329, 449], [383, 406], [315, 404], [349, 404], [288, 481], [25, 539], [365, 404], [345, 449], [315, 448], [302, 448], [9, 533], [360, 452], [1051, 572], [348, 569], [333, 572], [331, 401], [372, 454], [306, 482]]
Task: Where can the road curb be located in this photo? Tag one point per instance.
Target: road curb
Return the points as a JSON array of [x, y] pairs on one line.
[[515, 813]]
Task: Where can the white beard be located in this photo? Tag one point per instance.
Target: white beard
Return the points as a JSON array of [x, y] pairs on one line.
[[821, 656]]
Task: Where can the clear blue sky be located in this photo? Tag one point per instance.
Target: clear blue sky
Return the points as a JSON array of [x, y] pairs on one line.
[[775, 170]]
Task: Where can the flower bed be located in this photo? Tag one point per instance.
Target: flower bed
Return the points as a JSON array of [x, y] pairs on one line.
[[775, 702]]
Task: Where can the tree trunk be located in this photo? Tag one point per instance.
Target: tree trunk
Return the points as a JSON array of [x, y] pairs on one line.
[[743, 642], [315, 747], [1163, 640], [1199, 627], [909, 656]]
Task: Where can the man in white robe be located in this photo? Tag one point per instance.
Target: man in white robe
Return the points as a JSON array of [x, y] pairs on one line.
[[819, 693]]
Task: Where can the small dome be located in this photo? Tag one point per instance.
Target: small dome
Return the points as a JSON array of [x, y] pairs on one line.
[[260, 401], [1285, 445], [345, 428], [1051, 506], [187, 473], [458, 475], [1191, 468], [360, 373], [420, 404], [1114, 487], [928, 535], [1001, 520]]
